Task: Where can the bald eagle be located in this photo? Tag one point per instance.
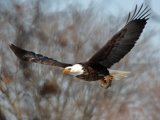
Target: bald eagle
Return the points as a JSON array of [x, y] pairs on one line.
[[97, 67]]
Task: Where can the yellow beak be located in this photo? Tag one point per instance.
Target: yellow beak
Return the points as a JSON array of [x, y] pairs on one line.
[[66, 71]]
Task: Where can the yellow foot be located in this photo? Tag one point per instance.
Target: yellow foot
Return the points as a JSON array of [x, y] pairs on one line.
[[106, 82], [108, 78]]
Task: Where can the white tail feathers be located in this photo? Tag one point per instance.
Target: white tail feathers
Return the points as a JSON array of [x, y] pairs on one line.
[[118, 75]]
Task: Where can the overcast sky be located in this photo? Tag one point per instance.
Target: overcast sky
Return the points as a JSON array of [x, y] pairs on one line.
[[114, 7], [109, 7], [105, 6]]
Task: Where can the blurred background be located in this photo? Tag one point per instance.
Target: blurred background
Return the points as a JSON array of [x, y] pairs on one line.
[[71, 31]]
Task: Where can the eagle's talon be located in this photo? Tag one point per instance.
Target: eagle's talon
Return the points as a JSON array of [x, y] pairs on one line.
[[108, 78], [106, 82]]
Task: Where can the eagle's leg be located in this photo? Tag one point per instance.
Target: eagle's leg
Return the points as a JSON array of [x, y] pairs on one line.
[[106, 82]]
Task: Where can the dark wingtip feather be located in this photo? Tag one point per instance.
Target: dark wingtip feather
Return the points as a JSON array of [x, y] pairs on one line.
[[17, 51], [141, 13], [12, 47]]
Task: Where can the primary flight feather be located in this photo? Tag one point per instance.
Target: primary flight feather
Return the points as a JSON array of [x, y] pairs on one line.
[[97, 67]]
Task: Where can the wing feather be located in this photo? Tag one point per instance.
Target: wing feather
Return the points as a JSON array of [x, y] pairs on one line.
[[37, 58], [122, 42]]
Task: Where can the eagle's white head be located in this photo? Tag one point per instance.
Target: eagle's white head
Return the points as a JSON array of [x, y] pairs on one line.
[[76, 69]]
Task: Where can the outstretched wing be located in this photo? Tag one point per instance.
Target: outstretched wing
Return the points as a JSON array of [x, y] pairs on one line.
[[122, 42], [37, 58]]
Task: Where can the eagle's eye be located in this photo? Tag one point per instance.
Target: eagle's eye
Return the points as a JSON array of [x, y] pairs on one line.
[[69, 68]]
